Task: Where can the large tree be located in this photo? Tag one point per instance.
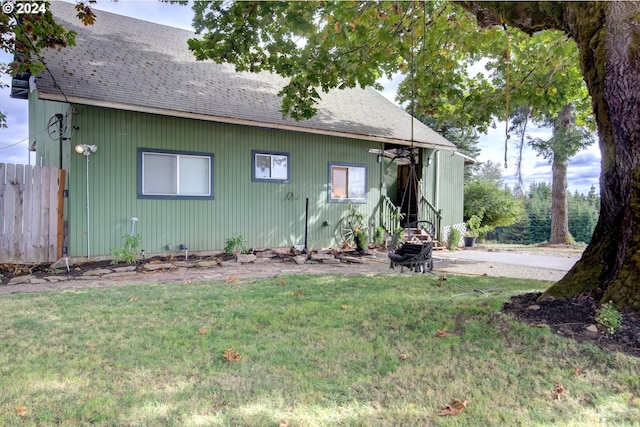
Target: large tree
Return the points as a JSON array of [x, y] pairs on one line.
[[343, 44], [607, 35], [567, 140]]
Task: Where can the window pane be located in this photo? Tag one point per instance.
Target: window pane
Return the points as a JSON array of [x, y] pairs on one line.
[[339, 182], [357, 185], [279, 167], [263, 166], [195, 176], [159, 174]]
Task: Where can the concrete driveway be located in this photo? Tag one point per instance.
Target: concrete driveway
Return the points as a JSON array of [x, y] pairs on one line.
[[549, 262], [505, 264]]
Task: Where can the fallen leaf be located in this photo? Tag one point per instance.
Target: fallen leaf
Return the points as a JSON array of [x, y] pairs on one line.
[[230, 279], [345, 306], [282, 282], [21, 411], [202, 331], [558, 390], [578, 372], [542, 325], [133, 298], [297, 293], [231, 355], [187, 282], [404, 356], [441, 333], [284, 423], [454, 407]]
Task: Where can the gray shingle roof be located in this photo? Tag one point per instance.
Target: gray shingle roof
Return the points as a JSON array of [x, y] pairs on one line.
[[130, 64]]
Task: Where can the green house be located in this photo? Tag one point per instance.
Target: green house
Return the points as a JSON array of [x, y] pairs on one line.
[[191, 153]]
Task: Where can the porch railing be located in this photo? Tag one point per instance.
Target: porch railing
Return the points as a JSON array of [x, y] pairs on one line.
[[389, 215], [428, 212]]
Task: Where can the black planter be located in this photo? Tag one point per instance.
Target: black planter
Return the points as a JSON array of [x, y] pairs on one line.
[[469, 242]]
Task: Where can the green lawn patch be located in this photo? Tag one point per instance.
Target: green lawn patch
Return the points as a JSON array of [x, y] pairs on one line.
[[305, 351]]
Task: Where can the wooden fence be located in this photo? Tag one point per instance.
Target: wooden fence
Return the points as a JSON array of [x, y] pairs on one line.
[[31, 211]]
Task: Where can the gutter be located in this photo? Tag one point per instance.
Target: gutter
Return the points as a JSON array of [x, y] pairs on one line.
[[237, 121]]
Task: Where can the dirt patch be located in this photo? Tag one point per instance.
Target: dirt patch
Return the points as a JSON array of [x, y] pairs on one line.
[[570, 317]]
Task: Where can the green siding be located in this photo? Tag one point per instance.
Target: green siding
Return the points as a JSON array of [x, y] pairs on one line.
[[47, 149], [447, 194], [266, 214], [451, 188]]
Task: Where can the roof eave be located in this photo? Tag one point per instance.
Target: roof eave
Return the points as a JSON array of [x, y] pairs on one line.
[[236, 121]]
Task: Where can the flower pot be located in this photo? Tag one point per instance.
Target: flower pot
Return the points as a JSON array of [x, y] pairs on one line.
[[469, 242]]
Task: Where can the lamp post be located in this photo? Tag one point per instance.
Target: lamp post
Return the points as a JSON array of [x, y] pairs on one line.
[[86, 151]]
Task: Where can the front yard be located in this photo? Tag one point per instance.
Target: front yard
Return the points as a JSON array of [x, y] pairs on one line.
[[302, 351]]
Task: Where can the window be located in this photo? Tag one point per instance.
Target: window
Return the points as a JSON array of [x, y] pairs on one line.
[[347, 183], [174, 175], [270, 167]]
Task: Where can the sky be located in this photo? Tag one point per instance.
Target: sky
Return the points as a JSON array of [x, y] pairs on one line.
[[583, 171]]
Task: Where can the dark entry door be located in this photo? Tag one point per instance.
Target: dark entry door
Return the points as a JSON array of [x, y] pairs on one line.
[[407, 193]]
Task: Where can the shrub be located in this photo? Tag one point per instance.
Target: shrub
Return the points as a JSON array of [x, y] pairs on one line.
[[378, 236], [129, 249], [235, 245], [453, 240]]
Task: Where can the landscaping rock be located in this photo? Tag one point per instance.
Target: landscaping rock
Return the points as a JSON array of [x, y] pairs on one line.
[[21, 279], [262, 260], [265, 254], [120, 275], [321, 257], [592, 328], [330, 261], [211, 263], [126, 268], [36, 281], [245, 258], [97, 272], [55, 278], [282, 251], [533, 307], [300, 259], [154, 267]]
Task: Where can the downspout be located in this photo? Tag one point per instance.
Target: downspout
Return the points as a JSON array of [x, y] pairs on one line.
[[436, 191]]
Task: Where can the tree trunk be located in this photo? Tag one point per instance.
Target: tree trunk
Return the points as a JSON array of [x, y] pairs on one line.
[[559, 206], [611, 65], [564, 123], [608, 36]]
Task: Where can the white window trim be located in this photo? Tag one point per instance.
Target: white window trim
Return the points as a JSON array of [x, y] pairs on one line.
[[363, 199]]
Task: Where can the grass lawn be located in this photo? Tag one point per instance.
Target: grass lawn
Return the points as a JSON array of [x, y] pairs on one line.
[[310, 350]]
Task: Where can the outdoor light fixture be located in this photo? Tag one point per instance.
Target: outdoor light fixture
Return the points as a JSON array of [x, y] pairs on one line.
[[86, 149]]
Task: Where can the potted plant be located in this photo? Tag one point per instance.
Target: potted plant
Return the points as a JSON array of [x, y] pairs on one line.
[[473, 230]]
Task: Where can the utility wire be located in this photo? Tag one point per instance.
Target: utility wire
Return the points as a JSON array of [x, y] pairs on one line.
[[35, 50], [21, 141]]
